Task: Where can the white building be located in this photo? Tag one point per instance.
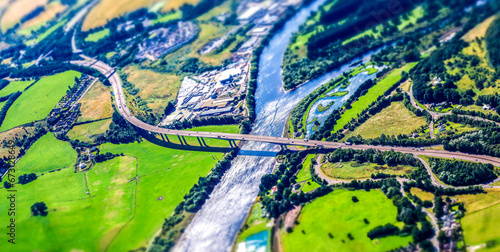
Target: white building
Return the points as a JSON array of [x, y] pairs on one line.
[[250, 14], [228, 75]]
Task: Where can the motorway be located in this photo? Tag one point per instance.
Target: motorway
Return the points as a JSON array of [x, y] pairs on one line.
[[121, 104]]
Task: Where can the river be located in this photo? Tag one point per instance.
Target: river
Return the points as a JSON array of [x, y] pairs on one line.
[[216, 225]]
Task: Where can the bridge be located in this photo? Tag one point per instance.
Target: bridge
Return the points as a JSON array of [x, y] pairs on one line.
[[122, 108]]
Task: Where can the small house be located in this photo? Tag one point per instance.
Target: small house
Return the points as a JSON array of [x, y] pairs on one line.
[[486, 107]]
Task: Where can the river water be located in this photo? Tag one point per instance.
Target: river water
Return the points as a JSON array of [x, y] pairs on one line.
[[216, 225]]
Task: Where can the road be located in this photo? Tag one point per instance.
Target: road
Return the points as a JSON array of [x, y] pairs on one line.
[[122, 108]]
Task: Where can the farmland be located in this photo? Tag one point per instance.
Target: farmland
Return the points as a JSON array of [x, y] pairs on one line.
[[41, 156], [86, 132], [479, 226], [36, 103], [156, 89], [19, 132], [17, 10], [108, 9], [158, 171], [96, 104], [320, 217], [115, 214], [355, 170], [393, 120], [50, 12], [15, 86]]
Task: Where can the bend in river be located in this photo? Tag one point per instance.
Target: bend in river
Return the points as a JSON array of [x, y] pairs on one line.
[[215, 226]]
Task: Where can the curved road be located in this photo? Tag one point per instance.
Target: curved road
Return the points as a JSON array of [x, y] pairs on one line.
[[121, 104]]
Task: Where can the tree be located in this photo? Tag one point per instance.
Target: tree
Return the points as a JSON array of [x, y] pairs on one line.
[[355, 199], [39, 208], [267, 181], [7, 185]]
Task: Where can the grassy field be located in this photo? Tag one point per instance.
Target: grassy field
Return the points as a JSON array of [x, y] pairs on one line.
[[482, 226], [96, 36], [86, 132], [474, 203], [479, 31], [156, 89], [112, 173], [305, 173], [355, 170], [373, 93], [421, 194], [37, 102], [96, 104], [17, 10], [108, 9], [11, 135], [321, 217], [168, 17], [14, 86], [393, 120], [47, 154], [50, 12], [158, 171], [117, 213]]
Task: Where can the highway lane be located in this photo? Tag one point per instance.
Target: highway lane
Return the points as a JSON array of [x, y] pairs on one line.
[[122, 108]]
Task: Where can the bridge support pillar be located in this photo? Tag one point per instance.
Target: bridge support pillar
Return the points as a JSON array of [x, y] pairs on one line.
[[184, 140], [283, 147], [203, 140], [199, 141], [180, 139]]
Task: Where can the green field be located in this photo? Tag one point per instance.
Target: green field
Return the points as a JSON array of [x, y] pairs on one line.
[[14, 86], [335, 213], [96, 36], [159, 172], [117, 213], [47, 154], [421, 194], [355, 170], [37, 102], [393, 120], [168, 17], [85, 132], [373, 93], [305, 173], [482, 226]]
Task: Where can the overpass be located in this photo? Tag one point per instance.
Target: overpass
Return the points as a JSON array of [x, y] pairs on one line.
[[122, 108]]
